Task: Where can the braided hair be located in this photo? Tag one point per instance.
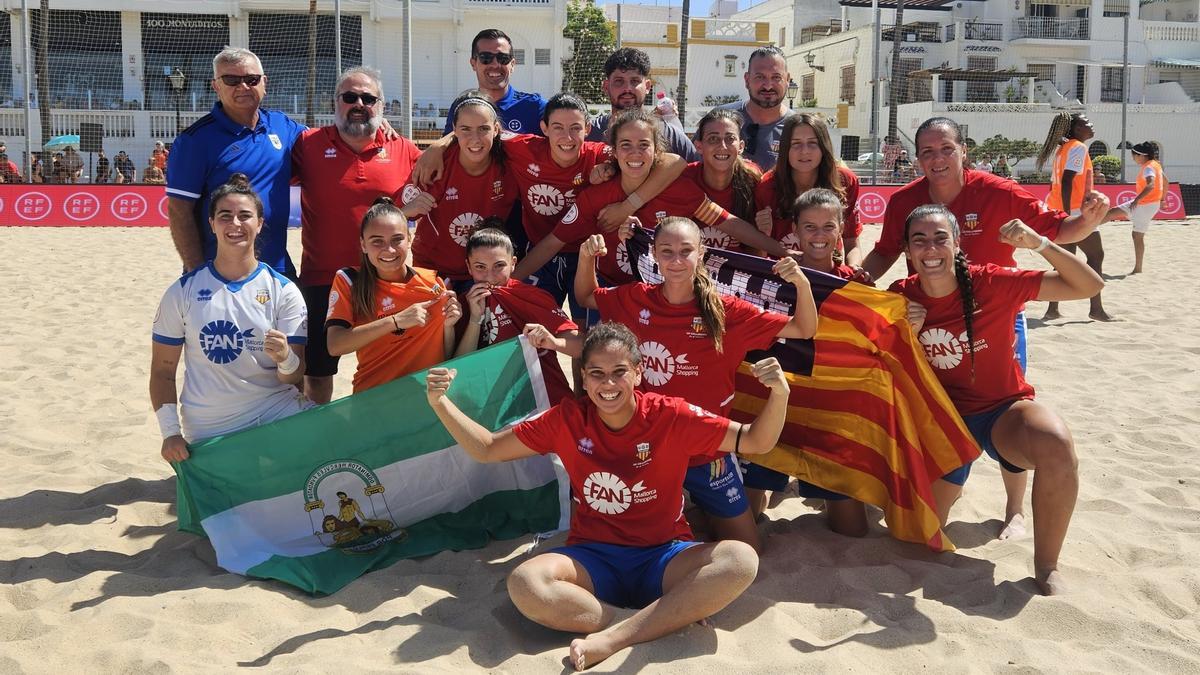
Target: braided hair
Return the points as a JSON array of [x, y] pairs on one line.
[[708, 298], [962, 274], [1060, 128]]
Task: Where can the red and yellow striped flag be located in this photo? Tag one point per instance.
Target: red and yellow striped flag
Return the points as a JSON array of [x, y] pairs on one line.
[[867, 416]]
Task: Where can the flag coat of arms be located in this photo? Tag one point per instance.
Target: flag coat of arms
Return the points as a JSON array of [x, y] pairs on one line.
[[320, 498], [867, 417]]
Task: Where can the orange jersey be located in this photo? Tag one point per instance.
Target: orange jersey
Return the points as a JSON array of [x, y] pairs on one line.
[[1071, 156], [1151, 169], [392, 355]]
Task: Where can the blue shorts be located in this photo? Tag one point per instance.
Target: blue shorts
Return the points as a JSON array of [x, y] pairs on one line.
[[625, 576], [557, 277], [757, 477], [1020, 347], [980, 425], [717, 488]]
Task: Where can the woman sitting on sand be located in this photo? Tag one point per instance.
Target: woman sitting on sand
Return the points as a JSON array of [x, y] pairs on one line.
[[241, 328], [964, 315]]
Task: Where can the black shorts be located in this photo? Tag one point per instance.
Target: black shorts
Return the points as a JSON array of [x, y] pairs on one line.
[[317, 360]]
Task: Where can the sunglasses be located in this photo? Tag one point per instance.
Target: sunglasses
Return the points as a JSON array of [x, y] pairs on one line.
[[350, 98], [235, 80], [487, 57]]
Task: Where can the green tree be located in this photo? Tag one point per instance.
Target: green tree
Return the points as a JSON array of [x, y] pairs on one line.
[[594, 42], [1015, 150]]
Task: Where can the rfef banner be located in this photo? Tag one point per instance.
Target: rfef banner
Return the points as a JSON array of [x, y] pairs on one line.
[[321, 497]]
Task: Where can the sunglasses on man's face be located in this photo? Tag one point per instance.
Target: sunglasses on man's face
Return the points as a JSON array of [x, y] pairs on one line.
[[235, 80], [350, 98], [487, 57]]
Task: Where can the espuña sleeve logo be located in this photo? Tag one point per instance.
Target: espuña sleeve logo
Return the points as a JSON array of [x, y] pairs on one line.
[[409, 193], [572, 215]]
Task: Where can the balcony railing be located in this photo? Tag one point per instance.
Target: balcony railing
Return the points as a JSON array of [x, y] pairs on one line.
[[1171, 31], [726, 30], [1046, 28], [983, 31], [819, 31], [918, 31]]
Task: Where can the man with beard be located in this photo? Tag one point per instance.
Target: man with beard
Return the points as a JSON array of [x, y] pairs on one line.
[[627, 82], [239, 135], [763, 115], [493, 62], [341, 169]]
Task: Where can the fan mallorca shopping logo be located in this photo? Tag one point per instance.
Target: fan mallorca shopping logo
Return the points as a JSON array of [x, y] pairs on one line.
[[222, 341]]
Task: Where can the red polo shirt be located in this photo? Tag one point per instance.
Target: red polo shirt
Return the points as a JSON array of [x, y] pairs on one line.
[[337, 187]]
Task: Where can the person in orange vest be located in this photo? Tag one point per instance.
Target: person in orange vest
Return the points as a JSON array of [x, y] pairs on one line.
[[1151, 185], [1070, 180]]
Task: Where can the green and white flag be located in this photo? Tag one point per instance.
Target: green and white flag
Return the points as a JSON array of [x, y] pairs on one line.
[[324, 496]]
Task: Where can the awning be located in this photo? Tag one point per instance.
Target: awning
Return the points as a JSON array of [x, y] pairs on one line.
[[1176, 63]]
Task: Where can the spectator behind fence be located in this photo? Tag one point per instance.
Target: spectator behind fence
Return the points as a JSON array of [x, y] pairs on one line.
[[72, 165], [627, 82], [103, 168], [152, 175], [237, 136], [764, 112], [9, 173], [35, 168], [492, 61], [125, 169], [160, 154]]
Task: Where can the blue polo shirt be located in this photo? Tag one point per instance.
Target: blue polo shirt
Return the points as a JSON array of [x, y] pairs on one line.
[[205, 155], [520, 112]]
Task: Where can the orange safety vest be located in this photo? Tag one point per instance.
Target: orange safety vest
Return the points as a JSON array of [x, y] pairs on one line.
[[1156, 193], [1072, 155]]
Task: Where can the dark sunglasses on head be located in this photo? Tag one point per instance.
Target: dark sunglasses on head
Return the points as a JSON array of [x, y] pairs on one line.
[[487, 57], [350, 98], [235, 80]]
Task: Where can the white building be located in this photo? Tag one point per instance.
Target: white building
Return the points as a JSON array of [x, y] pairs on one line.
[[107, 66], [1070, 51]]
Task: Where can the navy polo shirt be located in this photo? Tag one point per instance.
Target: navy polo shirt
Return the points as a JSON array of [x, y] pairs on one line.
[[677, 141], [520, 112], [205, 155], [764, 150]]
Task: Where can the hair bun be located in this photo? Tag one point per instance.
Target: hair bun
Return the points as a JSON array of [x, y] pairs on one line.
[[239, 180], [383, 199]]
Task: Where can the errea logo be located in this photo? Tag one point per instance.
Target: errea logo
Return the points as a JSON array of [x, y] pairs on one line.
[[644, 317], [584, 446], [330, 153], [451, 193], [534, 170]]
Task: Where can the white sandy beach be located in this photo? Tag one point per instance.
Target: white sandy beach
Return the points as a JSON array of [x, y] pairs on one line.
[[95, 578]]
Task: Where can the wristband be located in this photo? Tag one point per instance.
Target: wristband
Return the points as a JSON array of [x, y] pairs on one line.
[[168, 420], [635, 201], [1042, 246], [290, 364]]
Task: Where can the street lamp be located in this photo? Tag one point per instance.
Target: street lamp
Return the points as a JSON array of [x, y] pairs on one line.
[[178, 81], [792, 89]]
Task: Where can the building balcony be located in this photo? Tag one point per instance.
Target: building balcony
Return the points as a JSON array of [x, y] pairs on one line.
[[917, 31], [973, 30], [726, 32], [819, 31], [1045, 28], [1171, 31]]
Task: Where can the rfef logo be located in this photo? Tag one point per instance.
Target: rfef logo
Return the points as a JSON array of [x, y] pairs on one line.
[[81, 206], [607, 493], [129, 206], [33, 206], [872, 204], [222, 342]]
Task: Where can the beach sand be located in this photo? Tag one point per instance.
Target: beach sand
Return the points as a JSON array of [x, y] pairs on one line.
[[95, 575]]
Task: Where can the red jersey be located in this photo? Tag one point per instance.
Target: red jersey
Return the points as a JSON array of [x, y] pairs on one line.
[[678, 354], [462, 201], [337, 187], [764, 198], [985, 203], [515, 304], [712, 237], [547, 190], [681, 198], [1000, 293], [628, 483]]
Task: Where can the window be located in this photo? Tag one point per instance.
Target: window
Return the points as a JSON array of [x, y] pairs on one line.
[[187, 42], [730, 65], [981, 91], [782, 37], [519, 56], [808, 88], [911, 89], [541, 56], [1080, 81], [847, 86], [84, 58], [1041, 71], [281, 43], [1111, 85]]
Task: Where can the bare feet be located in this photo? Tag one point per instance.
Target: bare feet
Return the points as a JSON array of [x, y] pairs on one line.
[[1136, 270], [588, 651], [1050, 582], [1052, 313], [1014, 528], [1101, 315]]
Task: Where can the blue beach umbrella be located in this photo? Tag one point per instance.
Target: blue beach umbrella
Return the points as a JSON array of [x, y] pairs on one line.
[[61, 142]]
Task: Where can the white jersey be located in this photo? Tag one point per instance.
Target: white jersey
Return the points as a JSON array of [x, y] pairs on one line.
[[229, 382]]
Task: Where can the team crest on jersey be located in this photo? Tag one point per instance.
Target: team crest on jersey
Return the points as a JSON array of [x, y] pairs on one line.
[[347, 509], [411, 192], [970, 222], [643, 455], [660, 216], [534, 170], [514, 124], [497, 189], [382, 154], [578, 179], [774, 147], [275, 141], [203, 294], [545, 199], [330, 153], [698, 329], [263, 296]]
